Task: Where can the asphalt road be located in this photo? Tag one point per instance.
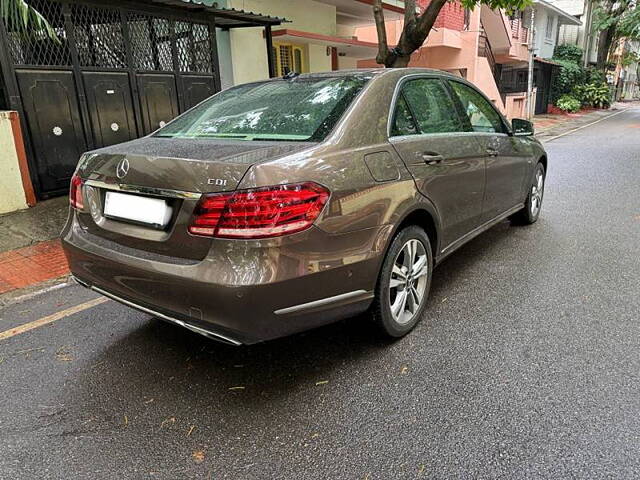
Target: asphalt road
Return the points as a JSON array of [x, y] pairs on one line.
[[526, 365]]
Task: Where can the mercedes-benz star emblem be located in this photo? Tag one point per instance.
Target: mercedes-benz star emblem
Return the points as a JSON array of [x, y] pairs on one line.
[[123, 168]]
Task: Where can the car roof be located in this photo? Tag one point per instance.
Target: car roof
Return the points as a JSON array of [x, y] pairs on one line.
[[370, 72]]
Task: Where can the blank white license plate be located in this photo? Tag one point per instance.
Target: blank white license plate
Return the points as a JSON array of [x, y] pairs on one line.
[[151, 211]]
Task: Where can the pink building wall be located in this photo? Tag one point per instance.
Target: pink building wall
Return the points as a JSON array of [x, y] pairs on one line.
[[453, 49]]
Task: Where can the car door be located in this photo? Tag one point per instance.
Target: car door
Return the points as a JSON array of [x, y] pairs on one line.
[[506, 156], [445, 161]]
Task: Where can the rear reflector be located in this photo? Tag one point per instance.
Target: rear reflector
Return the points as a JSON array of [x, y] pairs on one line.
[[259, 213], [75, 192]]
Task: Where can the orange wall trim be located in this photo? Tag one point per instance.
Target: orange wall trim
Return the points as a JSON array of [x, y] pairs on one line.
[[27, 186]]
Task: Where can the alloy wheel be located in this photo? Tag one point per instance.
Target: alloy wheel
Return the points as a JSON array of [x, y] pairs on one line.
[[408, 281], [537, 189]]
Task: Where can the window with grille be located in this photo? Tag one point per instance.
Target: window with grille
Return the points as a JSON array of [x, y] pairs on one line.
[[289, 58], [36, 48]]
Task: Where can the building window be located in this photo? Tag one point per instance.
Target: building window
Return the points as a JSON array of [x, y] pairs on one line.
[[548, 33], [289, 57], [467, 19]]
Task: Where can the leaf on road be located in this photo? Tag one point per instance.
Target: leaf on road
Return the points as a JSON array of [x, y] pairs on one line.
[[191, 430], [63, 354], [404, 370], [322, 382], [198, 456], [167, 421], [236, 388]]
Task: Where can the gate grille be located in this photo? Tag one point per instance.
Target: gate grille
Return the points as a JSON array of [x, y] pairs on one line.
[[36, 48], [101, 43], [98, 36], [193, 46], [150, 42]]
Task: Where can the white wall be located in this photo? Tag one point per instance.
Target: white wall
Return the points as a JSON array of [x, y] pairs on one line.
[[545, 44], [347, 63], [11, 191], [319, 61]]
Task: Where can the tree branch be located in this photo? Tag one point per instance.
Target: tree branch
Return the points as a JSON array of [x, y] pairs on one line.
[[425, 21], [381, 29], [409, 15]]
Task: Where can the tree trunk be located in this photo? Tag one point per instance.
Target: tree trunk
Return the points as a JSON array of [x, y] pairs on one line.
[[604, 45], [414, 33], [400, 62]]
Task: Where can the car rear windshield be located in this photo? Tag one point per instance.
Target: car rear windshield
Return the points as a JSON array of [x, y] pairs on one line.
[[299, 109]]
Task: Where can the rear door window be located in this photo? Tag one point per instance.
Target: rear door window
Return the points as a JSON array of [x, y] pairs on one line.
[[403, 121], [430, 104], [482, 116]]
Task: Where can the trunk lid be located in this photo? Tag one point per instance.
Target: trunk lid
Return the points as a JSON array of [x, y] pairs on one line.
[[189, 165], [174, 170]]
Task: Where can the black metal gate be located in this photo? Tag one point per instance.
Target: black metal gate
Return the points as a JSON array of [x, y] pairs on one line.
[[119, 70]]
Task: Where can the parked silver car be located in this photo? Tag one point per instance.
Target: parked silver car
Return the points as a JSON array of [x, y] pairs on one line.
[[278, 206]]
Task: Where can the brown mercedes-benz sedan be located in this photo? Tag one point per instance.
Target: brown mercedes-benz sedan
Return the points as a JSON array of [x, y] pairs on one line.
[[277, 206]]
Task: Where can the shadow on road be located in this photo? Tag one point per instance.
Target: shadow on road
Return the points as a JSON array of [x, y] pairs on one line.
[[163, 357]]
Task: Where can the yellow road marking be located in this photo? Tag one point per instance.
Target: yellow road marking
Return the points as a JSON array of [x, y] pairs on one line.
[[12, 332]]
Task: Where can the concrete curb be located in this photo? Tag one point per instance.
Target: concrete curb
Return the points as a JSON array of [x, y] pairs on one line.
[[32, 291], [571, 126]]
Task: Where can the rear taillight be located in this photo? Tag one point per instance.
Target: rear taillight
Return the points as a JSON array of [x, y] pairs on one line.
[[259, 213], [75, 192]]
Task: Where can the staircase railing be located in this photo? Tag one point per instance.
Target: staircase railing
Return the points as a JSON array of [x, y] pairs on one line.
[[484, 50]]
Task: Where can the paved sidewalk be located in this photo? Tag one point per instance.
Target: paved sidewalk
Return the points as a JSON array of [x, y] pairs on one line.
[[30, 250], [550, 125], [32, 265]]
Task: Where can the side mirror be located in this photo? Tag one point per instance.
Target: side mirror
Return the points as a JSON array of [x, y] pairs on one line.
[[521, 128]]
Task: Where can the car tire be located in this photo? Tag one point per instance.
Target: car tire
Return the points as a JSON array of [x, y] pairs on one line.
[[403, 285], [531, 211]]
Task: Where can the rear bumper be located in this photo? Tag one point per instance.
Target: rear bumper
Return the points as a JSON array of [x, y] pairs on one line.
[[243, 292], [207, 331]]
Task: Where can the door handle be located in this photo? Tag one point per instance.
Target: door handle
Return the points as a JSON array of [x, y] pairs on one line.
[[492, 152], [431, 158]]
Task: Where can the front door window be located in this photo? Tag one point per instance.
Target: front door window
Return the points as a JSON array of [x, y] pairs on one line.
[[482, 116], [429, 103]]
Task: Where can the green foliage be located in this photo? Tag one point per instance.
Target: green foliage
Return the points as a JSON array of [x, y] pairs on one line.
[[24, 19], [568, 103], [629, 23], [604, 17], [572, 53], [593, 75], [593, 94], [509, 5], [629, 58], [565, 80]]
